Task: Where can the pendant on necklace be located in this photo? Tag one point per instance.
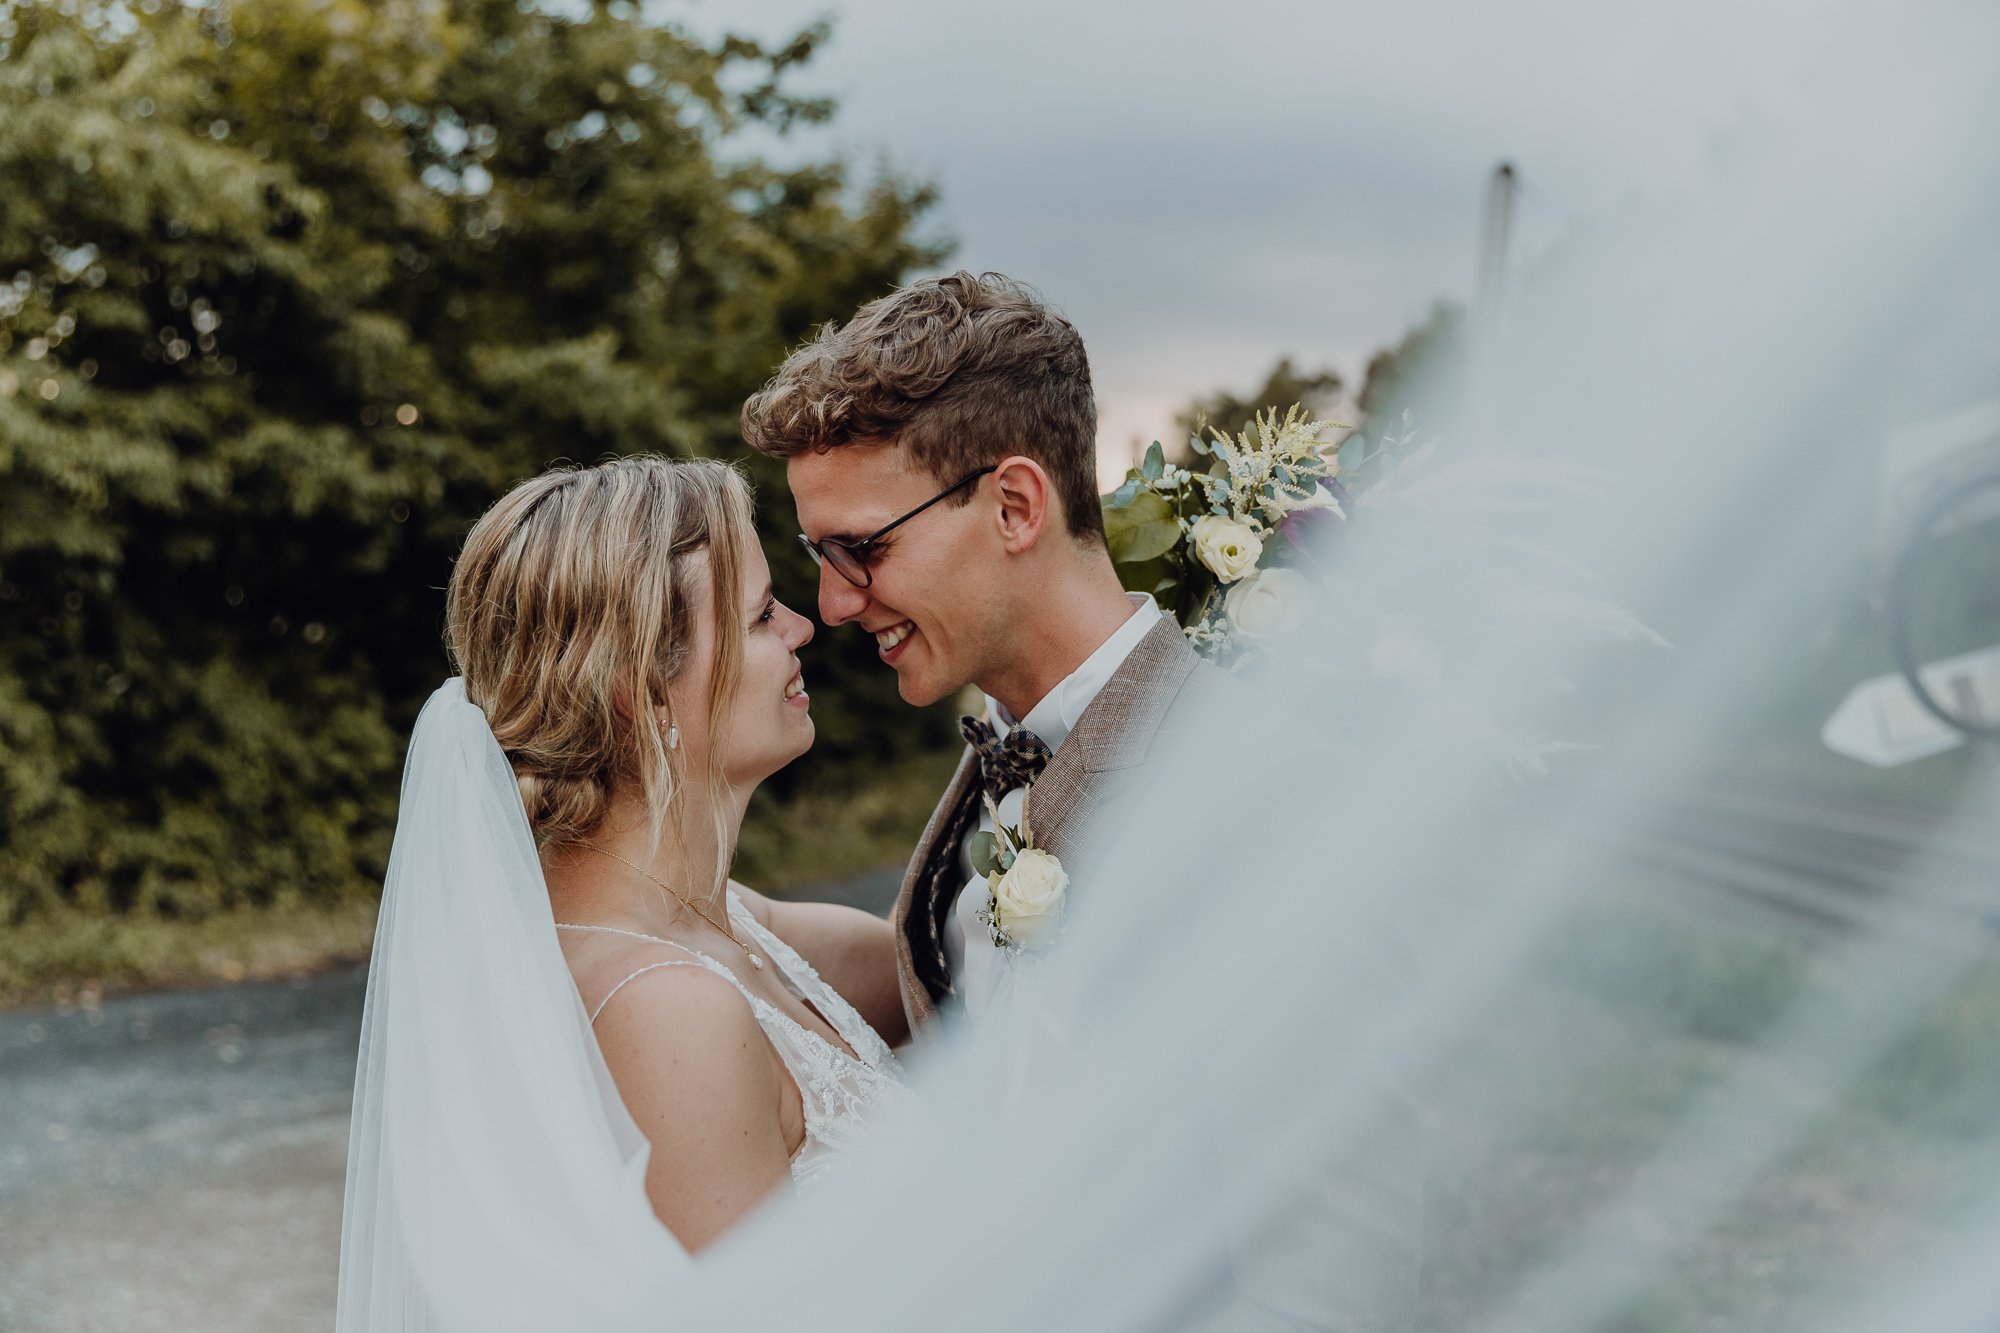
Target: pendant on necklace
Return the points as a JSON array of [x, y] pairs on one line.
[[755, 961]]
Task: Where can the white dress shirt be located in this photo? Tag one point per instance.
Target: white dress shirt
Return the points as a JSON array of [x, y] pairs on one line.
[[980, 971]]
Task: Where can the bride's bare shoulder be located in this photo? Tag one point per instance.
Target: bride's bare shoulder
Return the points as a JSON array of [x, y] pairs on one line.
[[651, 982], [682, 1030], [704, 1086]]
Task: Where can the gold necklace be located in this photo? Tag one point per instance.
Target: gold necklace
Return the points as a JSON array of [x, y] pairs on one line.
[[686, 902]]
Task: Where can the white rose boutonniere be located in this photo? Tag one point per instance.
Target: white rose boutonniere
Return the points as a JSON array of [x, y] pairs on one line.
[[1230, 549], [1028, 899], [1025, 886]]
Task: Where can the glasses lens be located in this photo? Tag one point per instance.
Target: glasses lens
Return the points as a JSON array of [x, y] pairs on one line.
[[845, 562]]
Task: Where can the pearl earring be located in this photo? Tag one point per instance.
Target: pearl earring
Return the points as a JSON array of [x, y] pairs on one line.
[[674, 737]]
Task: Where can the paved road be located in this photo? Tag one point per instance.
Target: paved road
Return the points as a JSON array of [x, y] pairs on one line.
[[174, 1162]]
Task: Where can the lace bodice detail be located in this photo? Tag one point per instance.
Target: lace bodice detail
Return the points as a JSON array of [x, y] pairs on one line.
[[841, 1093]]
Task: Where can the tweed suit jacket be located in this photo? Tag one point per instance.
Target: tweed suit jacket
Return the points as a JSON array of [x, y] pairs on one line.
[[1152, 693], [1341, 1256]]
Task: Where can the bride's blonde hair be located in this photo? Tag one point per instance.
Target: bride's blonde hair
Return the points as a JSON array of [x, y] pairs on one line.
[[574, 594]]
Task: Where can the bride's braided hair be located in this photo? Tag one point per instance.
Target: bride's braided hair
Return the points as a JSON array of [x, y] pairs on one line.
[[574, 594]]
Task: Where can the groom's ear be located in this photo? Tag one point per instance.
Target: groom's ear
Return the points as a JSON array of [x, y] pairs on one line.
[[1025, 500]]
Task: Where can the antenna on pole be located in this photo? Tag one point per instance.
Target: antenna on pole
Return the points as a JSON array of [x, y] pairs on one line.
[[1494, 233], [1490, 295]]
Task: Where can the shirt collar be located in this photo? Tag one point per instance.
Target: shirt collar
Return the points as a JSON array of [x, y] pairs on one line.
[[1052, 718]]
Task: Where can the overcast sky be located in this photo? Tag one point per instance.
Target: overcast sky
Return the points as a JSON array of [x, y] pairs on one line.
[[1206, 187]]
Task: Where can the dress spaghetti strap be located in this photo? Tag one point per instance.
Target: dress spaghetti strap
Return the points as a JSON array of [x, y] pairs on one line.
[[650, 967]]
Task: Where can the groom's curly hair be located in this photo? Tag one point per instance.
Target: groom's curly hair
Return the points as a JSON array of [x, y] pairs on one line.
[[961, 371]]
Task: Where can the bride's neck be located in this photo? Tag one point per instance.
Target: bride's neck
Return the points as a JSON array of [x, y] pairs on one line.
[[621, 876]]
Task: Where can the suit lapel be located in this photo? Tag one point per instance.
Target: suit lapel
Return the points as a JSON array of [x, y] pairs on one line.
[[918, 915]]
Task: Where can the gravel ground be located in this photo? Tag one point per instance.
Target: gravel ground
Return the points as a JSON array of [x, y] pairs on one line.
[[173, 1163]]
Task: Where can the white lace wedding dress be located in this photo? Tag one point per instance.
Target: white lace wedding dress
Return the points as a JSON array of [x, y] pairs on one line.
[[843, 1089]]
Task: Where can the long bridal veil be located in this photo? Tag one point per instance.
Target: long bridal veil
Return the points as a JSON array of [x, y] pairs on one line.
[[494, 1179], [1691, 1049]]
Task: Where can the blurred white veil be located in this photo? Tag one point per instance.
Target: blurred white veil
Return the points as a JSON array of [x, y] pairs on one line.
[[1218, 1061]]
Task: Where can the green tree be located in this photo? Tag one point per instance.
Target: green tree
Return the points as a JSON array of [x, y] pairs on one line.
[[1317, 391], [1429, 362], [289, 291]]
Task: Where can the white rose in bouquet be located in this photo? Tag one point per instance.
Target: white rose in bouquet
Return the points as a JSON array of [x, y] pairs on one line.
[[1028, 899], [1267, 604], [1228, 548]]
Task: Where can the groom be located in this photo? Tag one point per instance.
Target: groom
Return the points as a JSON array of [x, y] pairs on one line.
[[941, 449]]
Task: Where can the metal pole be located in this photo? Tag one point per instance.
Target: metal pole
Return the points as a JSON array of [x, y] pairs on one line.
[[1490, 295], [1496, 229]]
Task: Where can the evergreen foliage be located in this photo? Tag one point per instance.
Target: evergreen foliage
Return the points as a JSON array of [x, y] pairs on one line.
[[289, 291], [1225, 413], [1428, 364]]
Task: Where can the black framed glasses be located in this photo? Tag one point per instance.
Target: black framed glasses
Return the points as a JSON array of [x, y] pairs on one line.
[[850, 558]]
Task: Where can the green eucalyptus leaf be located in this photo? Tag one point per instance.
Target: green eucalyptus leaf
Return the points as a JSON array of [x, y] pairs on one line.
[[1155, 464], [1148, 541], [1142, 529], [1148, 575], [985, 853]]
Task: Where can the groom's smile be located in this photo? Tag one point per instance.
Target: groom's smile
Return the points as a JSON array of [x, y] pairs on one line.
[[887, 641]]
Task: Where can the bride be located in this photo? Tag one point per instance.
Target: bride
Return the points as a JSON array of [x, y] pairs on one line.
[[627, 680], [618, 629]]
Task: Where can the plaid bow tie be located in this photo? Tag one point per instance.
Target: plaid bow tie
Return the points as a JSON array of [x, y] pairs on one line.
[[1008, 762]]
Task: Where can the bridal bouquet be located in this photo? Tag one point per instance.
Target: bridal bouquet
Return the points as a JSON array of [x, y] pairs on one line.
[[1228, 548], [1244, 548]]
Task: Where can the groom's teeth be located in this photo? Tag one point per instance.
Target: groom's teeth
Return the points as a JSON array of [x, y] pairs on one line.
[[892, 636]]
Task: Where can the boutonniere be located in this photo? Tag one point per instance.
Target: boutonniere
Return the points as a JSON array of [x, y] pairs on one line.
[[1025, 885]]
